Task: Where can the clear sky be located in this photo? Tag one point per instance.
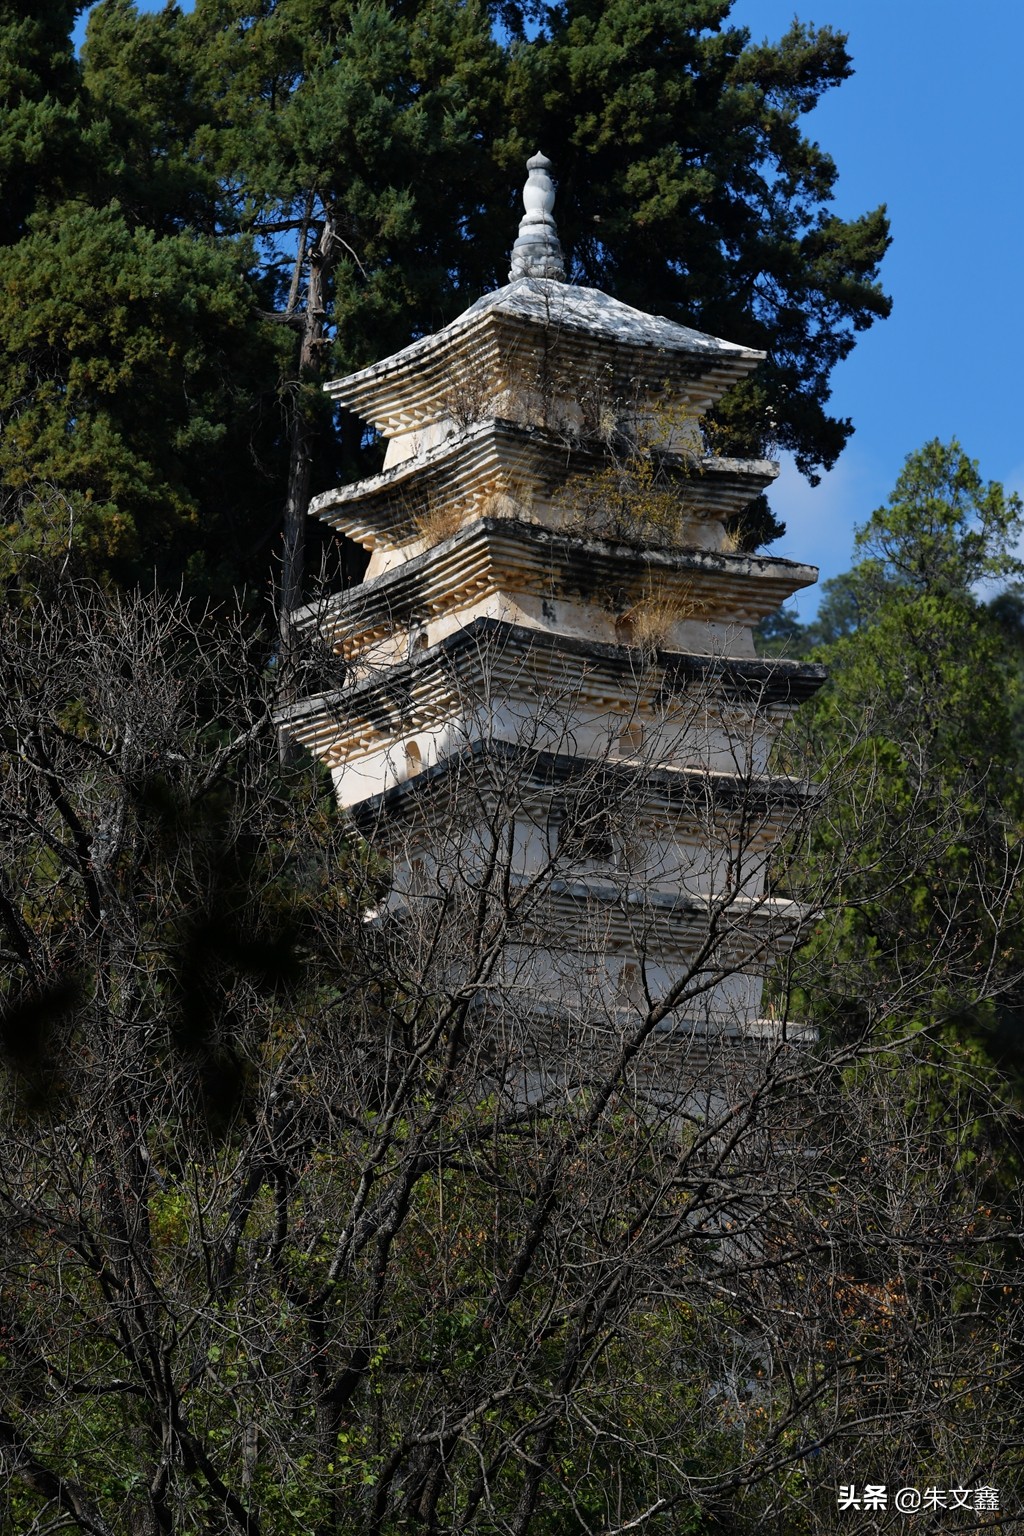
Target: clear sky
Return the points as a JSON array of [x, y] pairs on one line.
[[931, 124]]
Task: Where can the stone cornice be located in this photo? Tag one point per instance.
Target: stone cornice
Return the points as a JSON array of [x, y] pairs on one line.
[[531, 464], [543, 329], [594, 913], [742, 925], [509, 556], [489, 660], [509, 777]]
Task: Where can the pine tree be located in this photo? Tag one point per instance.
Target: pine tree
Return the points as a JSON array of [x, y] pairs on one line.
[[338, 171], [925, 685], [40, 91], [689, 188]]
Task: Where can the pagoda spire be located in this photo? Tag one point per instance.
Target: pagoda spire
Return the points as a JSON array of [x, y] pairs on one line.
[[537, 252]]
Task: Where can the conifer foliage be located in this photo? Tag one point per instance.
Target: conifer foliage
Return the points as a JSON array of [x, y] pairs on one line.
[[921, 721], [212, 210]]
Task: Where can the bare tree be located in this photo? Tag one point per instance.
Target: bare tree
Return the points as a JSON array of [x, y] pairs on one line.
[[318, 1216]]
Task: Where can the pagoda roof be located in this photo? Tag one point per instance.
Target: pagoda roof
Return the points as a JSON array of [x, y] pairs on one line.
[[491, 657], [572, 330], [503, 554], [496, 456], [544, 778], [578, 914], [742, 927]]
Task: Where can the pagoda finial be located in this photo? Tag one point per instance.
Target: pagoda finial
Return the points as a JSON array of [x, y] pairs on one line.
[[537, 252]]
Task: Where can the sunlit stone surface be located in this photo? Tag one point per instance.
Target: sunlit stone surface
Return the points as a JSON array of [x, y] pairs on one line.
[[550, 659]]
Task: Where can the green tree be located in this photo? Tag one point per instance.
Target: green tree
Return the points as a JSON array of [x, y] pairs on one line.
[[925, 679], [347, 166], [913, 866], [133, 390], [692, 191], [40, 90]]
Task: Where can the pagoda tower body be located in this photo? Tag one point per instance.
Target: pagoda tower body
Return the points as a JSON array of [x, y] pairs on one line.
[[550, 687]]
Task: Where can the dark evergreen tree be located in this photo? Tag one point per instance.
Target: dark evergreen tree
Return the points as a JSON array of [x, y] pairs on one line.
[[137, 385], [692, 191], [42, 107], [352, 172]]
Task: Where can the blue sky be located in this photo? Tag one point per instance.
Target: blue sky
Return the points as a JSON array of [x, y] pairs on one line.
[[930, 124]]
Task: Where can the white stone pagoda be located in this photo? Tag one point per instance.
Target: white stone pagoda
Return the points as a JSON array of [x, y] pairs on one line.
[[551, 654]]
